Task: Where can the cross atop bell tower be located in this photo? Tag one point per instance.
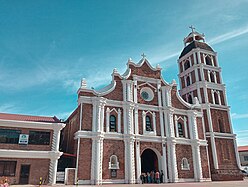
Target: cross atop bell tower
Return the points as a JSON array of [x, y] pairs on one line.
[[193, 36], [192, 28]]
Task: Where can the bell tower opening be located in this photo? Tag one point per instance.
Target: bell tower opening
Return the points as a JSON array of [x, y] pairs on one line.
[[149, 161]]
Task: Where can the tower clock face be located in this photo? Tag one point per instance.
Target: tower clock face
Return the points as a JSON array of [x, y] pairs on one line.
[[147, 94]]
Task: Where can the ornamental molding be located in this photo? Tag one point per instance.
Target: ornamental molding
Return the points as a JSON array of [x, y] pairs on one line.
[[197, 50], [104, 91], [53, 155], [32, 125]]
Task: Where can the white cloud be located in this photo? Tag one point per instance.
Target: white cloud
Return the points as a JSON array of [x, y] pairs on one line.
[[8, 108], [227, 36], [239, 116]]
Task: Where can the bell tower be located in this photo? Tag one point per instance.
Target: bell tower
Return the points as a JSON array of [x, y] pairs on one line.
[[200, 76]]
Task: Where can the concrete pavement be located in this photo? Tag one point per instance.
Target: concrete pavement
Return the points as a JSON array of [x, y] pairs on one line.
[[195, 184]]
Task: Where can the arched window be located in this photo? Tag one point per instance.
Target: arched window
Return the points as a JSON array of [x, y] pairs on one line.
[[148, 124], [186, 65], [180, 130], [208, 60], [212, 79], [112, 124], [113, 162], [221, 126], [216, 98], [188, 80], [190, 100], [185, 164]]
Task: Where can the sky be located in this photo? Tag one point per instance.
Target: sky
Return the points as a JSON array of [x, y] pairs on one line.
[[47, 47]]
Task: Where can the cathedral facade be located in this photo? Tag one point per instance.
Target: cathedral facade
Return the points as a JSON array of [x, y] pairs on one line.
[[141, 123]]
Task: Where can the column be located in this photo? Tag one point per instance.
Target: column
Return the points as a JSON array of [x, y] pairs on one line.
[[159, 93], [119, 121], [199, 94], [129, 160], [56, 138], [138, 161], [98, 159], [154, 122], [197, 162], [176, 126], [161, 122], [172, 161], [102, 117], [164, 163], [135, 90], [196, 149], [136, 120], [130, 128], [107, 119], [185, 127], [53, 171], [171, 124], [194, 55], [213, 146]]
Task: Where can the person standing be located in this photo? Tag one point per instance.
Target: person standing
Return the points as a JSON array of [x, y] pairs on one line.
[[148, 177], [157, 176], [162, 177], [152, 177]]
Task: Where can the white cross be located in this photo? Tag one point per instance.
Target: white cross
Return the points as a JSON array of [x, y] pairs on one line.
[[192, 28]]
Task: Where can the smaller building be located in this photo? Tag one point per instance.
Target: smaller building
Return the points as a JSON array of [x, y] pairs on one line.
[[29, 148], [243, 155]]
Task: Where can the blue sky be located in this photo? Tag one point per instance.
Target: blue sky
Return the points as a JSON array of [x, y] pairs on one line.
[[48, 46]]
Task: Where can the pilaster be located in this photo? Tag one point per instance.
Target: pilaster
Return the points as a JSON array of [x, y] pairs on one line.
[[172, 161], [53, 171], [129, 160]]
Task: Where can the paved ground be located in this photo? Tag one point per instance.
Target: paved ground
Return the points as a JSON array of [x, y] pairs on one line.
[[202, 184]]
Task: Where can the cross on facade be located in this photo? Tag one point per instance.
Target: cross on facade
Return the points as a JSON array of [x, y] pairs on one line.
[[143, 55], [192, 28]]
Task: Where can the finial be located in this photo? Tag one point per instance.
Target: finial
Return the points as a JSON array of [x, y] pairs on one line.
[[130, 60], [158, 66], [115, 70], [192, 28], [83, 83], [143, 55], [173, 81]]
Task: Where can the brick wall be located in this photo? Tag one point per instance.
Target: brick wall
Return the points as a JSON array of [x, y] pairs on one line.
[[150, 145], [84, 166], [113, 147], [204, 162], [38, 168], [184, 151], [223, 117], [174, 100], [200, 128]]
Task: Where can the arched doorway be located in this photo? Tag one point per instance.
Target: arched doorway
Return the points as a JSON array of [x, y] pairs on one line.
[[149, 161]]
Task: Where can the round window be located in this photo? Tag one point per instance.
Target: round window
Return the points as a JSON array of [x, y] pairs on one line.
[[147, 94]]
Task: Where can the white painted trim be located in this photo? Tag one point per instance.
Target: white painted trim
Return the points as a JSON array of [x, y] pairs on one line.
[[66, 174], [113, 181], [8, 153], [31, 124], [84, 182], [104, 91], [186, 180]]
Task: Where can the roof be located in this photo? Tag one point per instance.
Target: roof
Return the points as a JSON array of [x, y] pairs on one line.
[[243, 148], [195, 44], [19, 117]]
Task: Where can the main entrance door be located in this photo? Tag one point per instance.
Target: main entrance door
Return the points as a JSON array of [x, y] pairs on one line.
[[24, 175], [149, 161]]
